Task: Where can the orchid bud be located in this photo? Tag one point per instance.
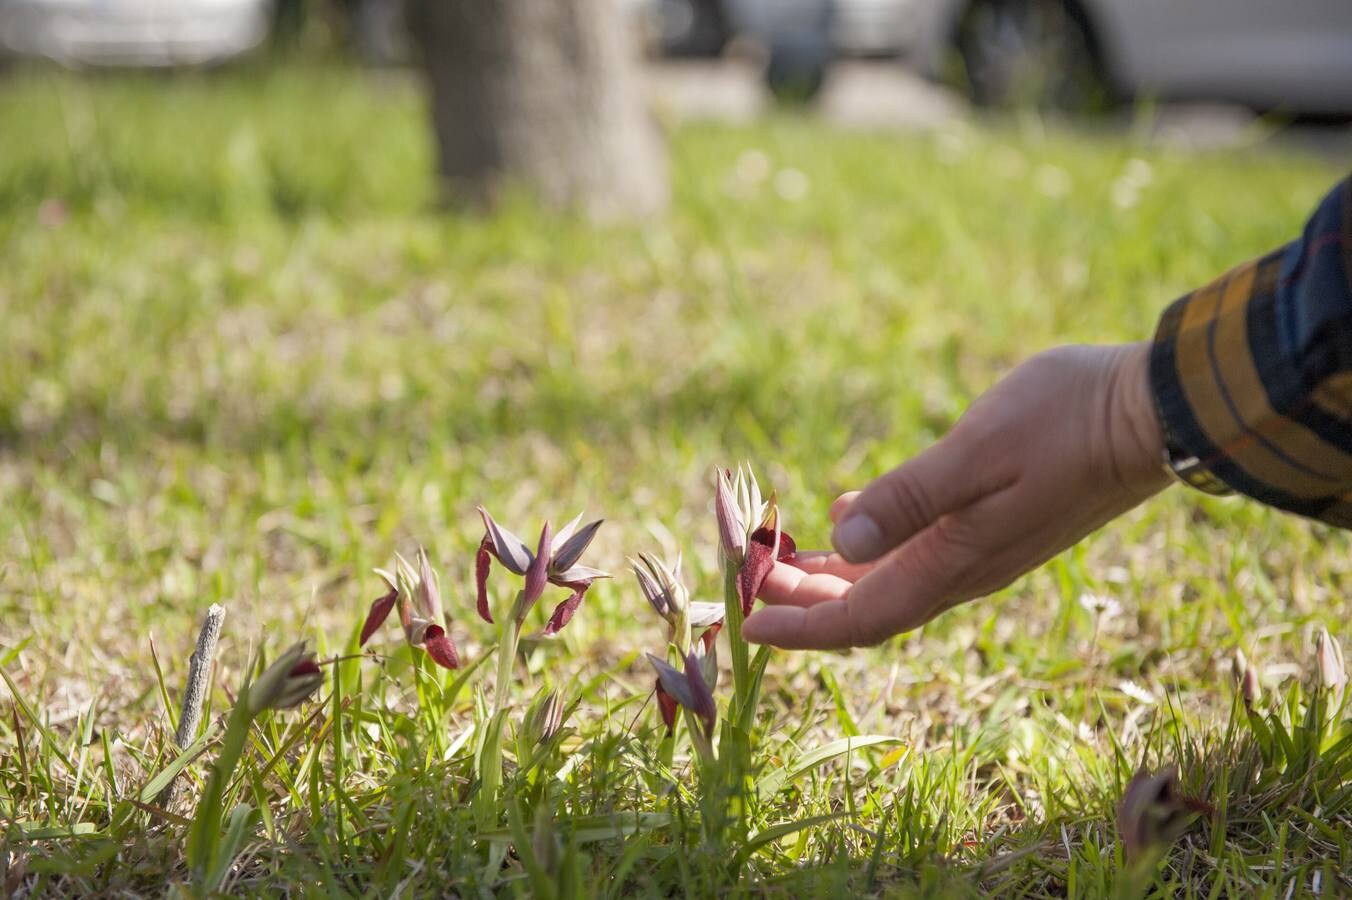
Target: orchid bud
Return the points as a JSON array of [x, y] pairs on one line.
[[1153, 813], [294, 676], [1328, 657], [731, 524], [1246, 679], [661, 586], [429, 592], [1249, 688], [544, 718]]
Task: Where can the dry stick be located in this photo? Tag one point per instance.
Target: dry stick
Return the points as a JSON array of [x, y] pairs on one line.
[[199, 677]]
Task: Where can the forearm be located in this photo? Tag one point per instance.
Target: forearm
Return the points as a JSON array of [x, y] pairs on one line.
[[1252, 374]]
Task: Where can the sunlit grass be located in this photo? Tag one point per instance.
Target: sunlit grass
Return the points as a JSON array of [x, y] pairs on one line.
[[241, 362]]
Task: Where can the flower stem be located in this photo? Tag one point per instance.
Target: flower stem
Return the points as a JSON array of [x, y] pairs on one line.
[[732, 623], [490, 751]]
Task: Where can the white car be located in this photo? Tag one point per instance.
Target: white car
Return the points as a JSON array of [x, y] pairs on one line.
[[1294, 56], [133, 32]]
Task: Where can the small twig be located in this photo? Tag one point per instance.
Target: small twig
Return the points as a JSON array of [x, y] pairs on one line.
[[195, 694]]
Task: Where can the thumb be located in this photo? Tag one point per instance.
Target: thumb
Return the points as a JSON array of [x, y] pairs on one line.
[[906, 500]]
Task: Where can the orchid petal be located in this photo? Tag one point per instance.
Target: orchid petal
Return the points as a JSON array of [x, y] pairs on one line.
[[760, 559], [537, 576], [667, 705], [651, 590], [563, 534], [429, 592], [483, 560], [577, 575], [705, 615], [380, 611], [440, 647], [510, 550], [571, 548], [702, 697], [710, 635], [673, 682], [563, 613]]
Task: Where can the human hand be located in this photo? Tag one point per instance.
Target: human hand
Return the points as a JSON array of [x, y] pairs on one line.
[[1066, 442]]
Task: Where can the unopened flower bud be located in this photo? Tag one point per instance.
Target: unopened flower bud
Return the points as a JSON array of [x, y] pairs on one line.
[[1328, 656], [294, 676]]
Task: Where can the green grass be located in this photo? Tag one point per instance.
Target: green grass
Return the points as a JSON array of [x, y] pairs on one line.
[[242, 362]]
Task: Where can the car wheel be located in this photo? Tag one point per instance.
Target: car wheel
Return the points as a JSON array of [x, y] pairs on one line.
[[795, 75], [1030, 53], [693, 27]]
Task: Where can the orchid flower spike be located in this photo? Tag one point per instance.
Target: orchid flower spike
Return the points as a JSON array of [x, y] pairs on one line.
[[662, 587], [417, 592], [556, 561], [291, 678], [750, 537]]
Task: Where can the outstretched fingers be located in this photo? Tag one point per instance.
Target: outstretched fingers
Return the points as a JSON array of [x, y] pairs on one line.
[[788, 586], [911, 498], [905, 590]]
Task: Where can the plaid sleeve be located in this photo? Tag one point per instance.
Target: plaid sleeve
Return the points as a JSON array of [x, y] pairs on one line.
[[1252, 374]]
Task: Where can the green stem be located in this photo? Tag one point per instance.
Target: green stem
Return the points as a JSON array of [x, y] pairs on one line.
[[204, 837], [490, 754], [732, 623]]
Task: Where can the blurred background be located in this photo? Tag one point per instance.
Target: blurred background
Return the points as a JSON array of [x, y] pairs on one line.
[[898, 61]]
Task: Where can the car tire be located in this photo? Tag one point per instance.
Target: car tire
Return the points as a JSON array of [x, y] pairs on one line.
[[693, 28], [794, 76], [1039, 54]]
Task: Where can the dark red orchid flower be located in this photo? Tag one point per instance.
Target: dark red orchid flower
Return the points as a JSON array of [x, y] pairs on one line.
[[691, 689], [561, 567], [667, 705], [1154, 812], [418, 596], [752, 551]]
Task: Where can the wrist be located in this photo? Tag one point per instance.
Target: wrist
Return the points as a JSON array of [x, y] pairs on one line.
[[1138, 437]]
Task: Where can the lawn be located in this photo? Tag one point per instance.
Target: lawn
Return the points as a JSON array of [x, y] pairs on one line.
[[242, 361]]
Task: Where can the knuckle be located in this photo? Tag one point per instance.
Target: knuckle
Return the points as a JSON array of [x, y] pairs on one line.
[[905, 504]]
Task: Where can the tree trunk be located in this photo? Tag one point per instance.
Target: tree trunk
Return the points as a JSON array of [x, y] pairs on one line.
[[544, 94]]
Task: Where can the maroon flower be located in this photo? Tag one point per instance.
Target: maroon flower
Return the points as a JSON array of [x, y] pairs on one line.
[[1154, 813], [555, 561], [752, 551], [690, 689], [294, 676], [418, 596]]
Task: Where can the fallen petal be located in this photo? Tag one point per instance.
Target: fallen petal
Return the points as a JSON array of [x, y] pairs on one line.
[[380, 611]]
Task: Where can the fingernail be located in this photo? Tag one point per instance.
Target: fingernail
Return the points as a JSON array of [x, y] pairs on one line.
[[858, 538]]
